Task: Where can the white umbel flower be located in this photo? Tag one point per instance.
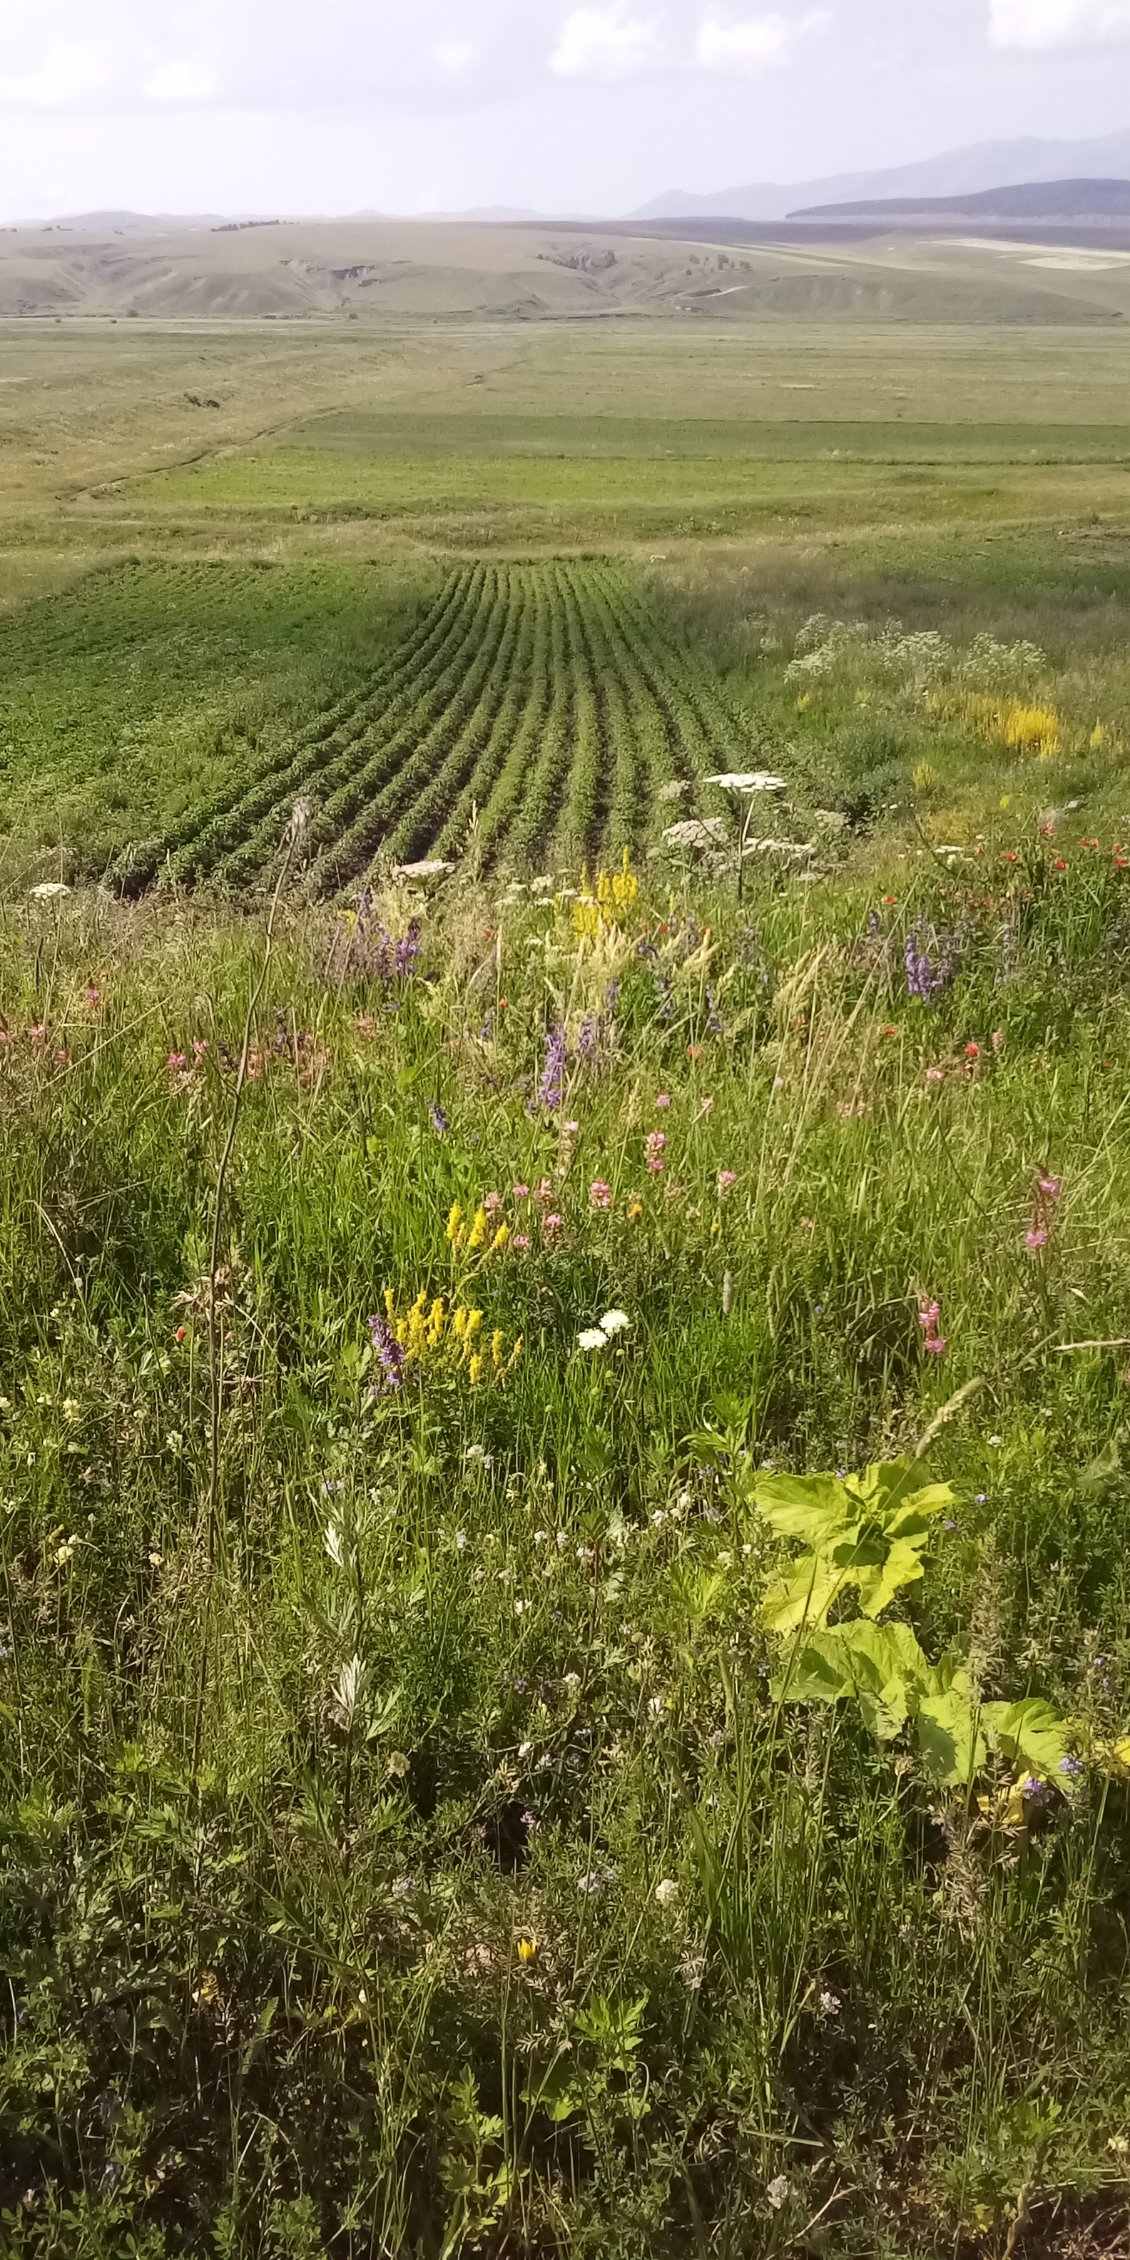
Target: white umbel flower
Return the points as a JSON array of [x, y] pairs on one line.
[[749, 781], [615, 1322], [592, 1338]]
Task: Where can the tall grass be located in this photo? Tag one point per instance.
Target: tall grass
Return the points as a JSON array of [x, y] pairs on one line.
[[403, 1851]]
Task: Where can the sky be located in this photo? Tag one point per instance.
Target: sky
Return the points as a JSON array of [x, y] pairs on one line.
[[285, 107]]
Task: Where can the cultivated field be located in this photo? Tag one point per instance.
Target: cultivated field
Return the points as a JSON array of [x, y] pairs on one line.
[[564, 1635]]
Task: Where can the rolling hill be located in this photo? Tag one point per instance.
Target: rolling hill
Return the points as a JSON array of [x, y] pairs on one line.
[[957, 172], [381, 273], [1090, 203]]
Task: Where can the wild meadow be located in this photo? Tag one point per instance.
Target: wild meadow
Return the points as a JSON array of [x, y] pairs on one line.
[[424, 1831], [564, 1350]]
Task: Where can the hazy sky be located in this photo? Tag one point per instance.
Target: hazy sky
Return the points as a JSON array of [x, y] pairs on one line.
[[409, 105]]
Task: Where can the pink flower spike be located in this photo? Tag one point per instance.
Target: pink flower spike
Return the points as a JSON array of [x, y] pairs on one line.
[[934, 1074], [727, 1179], [1035, 1241], [553, 1225], [1051, 1187], [935, 1346], [521, 1240], [492, 1202], [521, 1192], [663, 1101], [570, 1129], [600, 1194]]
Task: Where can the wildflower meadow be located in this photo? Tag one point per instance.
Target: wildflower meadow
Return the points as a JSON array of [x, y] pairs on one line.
[[565, 1662], [565, 1281]]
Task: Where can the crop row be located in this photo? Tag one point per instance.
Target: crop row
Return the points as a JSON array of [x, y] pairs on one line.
[[538, 714]]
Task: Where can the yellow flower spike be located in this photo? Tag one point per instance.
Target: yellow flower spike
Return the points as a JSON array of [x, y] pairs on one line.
[[459, 1323], [390, 1306], [474, 1321], [479, 1229], [496, 1347], [402, 1334], [515, 1353], [475, 1370], [436, 1323], [1098, 738], [499, 1241], [455, 1224]]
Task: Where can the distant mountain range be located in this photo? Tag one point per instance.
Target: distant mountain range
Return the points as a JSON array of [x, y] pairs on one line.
[[958, 172], [1097, 203]]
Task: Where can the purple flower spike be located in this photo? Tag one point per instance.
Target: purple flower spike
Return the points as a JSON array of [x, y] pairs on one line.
[[551, 1089], [390, 1356]]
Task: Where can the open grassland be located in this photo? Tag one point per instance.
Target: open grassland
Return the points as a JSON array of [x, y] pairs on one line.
[[465, 1789]]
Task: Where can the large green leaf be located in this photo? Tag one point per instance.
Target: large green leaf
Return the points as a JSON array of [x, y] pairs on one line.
[[803, 1598], [886, 1667], [811, 1508], [1030, 1734], [882, 1666], [878, 1587], [817, 1672], [953, 1747]]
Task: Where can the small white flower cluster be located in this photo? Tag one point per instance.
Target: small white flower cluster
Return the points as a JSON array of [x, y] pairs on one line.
[[598, 1337]]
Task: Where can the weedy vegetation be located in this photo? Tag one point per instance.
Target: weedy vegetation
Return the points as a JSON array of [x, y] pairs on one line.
[[564, 1346]]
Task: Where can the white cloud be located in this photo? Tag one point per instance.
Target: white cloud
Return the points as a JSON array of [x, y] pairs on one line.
[[65, 76], [1057, 23], [752, 43], [179, 82], [606, 43], [454, 55]]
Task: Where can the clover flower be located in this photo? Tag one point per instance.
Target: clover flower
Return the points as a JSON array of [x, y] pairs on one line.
[[600, 1194], [654, 1148]]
